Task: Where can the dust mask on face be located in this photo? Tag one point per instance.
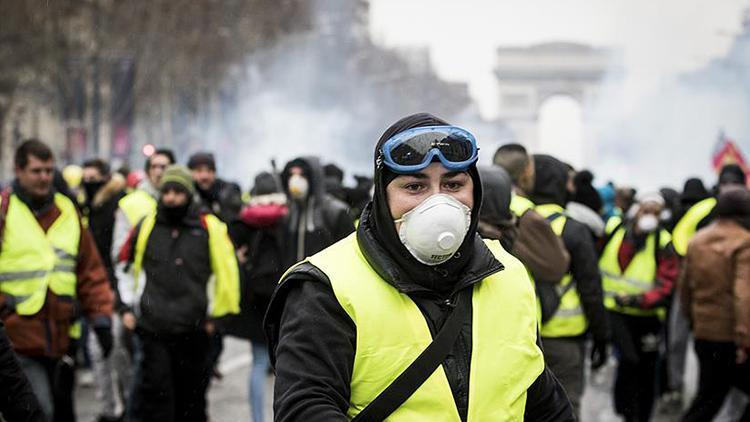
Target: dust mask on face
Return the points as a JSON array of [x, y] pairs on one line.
[[434, 230], [648, 223], [298, 186]]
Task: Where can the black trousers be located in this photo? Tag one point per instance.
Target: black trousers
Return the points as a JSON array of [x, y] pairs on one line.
[[718, 373], [636, 340], [174, 377]]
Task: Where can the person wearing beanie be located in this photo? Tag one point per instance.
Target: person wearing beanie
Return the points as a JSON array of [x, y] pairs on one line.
[[217, 196], [585, 204], [345, 323], [714, 290], [580, 307], [173, 254], [639, 268]]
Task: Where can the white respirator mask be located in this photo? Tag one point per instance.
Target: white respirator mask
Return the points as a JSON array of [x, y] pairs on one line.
[[298, 186], [648, 223], [434, 230]]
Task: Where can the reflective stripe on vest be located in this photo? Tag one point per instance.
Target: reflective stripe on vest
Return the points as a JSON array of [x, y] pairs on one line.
[[32, 261], [519, 205], [688, 224], [639, 276], [392, 332], [136, 205], [225, 280], [569, 319]]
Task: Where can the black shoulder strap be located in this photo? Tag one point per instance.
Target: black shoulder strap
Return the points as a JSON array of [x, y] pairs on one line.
[[426, 363], [554, 216]]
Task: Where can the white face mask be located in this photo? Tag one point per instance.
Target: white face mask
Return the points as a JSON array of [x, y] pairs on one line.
[[648, 223], [298, 186], [433, 231]]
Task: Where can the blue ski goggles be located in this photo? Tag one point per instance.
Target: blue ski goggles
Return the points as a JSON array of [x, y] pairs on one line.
[[414, 149]]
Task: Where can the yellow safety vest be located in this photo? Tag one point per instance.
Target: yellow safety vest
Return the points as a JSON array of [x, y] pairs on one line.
[[688, 224], [519, 205], [136, 205], [392, 332], [569, 319], [32, 261], [226, 278], [639, 276]]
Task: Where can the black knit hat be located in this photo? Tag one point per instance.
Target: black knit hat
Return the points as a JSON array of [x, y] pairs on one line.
[[732, 174], [202, 159], [693, 191], [733, 203], [585, 193]]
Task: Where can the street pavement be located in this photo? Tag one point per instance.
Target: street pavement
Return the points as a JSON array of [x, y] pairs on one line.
[[228, 398]]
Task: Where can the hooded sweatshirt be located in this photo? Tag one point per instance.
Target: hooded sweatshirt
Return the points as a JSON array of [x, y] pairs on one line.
[[304, 314], [549, 188]]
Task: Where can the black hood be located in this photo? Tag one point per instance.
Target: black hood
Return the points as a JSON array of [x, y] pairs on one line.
[[379, 225], [265, 183], [312, 170], [550, 185], [497, 187]]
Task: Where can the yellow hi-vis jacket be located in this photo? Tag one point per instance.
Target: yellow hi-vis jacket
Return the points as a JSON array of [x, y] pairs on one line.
[[392, 332], [136, 205], [225, 297], [569, 319], [639, 276], [31, 261], [688, 224], [519, 205]]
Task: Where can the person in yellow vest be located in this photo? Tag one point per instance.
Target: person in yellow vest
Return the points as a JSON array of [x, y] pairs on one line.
[[580, 306], [48, 263], [186, 276], [639, 269], [353, 320]]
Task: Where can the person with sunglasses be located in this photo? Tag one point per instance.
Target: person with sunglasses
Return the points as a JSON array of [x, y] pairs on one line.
[[414, 316]]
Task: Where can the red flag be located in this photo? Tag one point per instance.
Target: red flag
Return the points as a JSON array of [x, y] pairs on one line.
[[727, 152]]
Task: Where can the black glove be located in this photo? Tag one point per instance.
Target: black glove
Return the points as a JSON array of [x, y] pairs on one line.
[[599, 354], [104, 335], [630, 301]]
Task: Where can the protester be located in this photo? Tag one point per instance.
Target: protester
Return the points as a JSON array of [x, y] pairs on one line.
[[219, 197], [715, 296], [316, 219], [258, 236], [48, 262], [101, 193], [639, 269], [176, 243], [580, 302], [17, 399], [420, 270]]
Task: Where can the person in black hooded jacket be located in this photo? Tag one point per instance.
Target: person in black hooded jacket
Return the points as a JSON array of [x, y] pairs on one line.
[[314, 340], [565, 351]]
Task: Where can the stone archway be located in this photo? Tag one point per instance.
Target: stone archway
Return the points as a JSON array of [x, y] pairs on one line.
[[528, 76]]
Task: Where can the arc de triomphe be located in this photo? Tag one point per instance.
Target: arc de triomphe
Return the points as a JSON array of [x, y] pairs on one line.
[[527, 76]]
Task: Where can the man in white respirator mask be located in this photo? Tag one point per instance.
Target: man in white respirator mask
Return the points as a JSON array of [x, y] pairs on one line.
[[413, 317], [639, 269]]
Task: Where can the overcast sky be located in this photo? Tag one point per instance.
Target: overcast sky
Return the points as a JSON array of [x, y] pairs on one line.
[[659, 39]]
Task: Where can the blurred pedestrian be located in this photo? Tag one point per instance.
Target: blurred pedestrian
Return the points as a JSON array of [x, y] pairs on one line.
[[580, 308], [17, 399], [715, 294], [47, 263], [174, 253], [585, 205], [316, 219], [639, 268], [258, 236], [219, 197]]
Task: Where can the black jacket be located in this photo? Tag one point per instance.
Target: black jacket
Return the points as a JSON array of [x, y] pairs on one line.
[[550, 188], [223, 199], [17, 399], [317, 222], [177, 267], [306, 320]]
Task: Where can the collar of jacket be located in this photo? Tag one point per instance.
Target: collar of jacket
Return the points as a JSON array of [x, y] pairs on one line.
[[37, 207], [114, 187], [481, 264]]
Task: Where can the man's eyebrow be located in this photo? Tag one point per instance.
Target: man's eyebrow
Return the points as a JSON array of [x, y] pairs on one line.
[[451, 174]]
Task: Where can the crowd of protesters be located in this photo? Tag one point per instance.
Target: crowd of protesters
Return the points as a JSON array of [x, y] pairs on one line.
[[140, 274]]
